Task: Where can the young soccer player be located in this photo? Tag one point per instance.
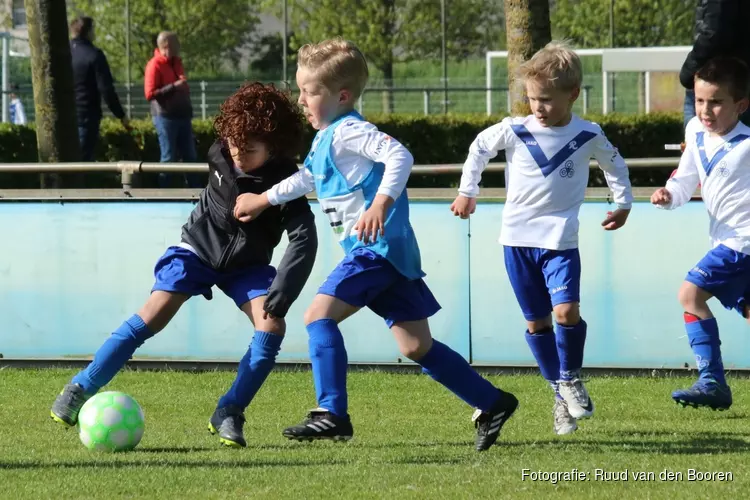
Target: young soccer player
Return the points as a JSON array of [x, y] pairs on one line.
[[717, 155], [548, 154], [260, 134], [360, 175]]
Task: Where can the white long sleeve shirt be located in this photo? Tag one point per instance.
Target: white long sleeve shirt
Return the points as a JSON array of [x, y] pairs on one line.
[[546, 177], [356, 146], [721, 164]]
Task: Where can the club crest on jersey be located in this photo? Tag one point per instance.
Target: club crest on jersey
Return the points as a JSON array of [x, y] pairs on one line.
[[723, 169], [567, 171]]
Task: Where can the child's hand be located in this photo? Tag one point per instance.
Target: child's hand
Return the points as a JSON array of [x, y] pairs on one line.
[[372, 221], [463, 206], [249, 206], [661, 196], [268, 315], [616, 219]]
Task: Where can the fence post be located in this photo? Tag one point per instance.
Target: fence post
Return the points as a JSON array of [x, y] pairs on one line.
[[6, 100], [426, 99], [128, 102], [585, 100], [359, 102], [203, 99]]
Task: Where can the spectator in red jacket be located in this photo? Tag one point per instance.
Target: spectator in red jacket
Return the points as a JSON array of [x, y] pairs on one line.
[[166, 88]]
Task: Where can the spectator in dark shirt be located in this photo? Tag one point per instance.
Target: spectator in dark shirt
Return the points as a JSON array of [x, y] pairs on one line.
[[92, 81], [720, 30]]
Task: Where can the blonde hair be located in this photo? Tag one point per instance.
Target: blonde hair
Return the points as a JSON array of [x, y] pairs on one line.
[[338, 63], [556, 65]]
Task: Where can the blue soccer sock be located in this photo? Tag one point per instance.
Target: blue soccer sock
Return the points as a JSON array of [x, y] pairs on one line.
[[544, 348], [253, 370], [329, 363], [703, 335], [450, 369], [570, 343], [113, 354]]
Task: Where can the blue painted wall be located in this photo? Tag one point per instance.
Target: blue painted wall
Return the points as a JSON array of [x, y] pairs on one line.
[[69, 275]]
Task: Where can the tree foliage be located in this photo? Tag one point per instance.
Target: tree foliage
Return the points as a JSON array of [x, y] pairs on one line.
[[389, 31], [213, 35], [638, 23]]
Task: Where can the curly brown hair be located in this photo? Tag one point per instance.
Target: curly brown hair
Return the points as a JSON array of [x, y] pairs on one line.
[[264, 113]]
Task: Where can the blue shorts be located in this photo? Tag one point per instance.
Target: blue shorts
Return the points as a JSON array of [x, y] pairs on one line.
[[365, 278], [542, 279], [725, 274], [181, 271]]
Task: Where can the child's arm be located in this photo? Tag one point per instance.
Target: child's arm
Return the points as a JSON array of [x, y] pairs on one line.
[[250, 206], [297, 263], [482, 150], [681, 186], [615, 171], [365, 140]]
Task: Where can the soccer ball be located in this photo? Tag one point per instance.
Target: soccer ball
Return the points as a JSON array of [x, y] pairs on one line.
[[111, 421]]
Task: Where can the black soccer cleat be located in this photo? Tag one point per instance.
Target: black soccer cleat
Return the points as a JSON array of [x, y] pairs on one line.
[[227, 422], [489, 424], [705, 393], [321, 424]]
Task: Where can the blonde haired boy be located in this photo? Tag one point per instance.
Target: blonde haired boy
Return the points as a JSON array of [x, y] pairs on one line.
[[360, 177], [548, 154]]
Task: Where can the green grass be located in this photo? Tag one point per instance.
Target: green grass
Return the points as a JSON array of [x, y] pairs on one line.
[[412, 440]]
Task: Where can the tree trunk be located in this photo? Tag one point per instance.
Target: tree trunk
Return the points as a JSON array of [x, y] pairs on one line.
[[528, 30], [52, 79]]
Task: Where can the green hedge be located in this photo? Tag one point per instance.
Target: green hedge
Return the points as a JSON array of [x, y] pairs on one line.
[[432, 139]]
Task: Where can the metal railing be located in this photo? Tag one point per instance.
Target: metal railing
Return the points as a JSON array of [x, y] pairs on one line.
[[128, 169], [426, 99]]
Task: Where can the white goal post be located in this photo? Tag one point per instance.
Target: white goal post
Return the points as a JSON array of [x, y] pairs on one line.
[[637, 59]]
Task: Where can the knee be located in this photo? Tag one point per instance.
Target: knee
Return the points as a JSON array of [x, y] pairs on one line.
[[277, 326], [690, 297], [415, 349], [567, 314], [313, 313]]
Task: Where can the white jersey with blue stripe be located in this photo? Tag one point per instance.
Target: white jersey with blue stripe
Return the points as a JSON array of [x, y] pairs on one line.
[[350, 162], [721, 165], [546, 177]]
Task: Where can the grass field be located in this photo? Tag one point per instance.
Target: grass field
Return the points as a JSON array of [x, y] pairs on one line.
[[412, 440]]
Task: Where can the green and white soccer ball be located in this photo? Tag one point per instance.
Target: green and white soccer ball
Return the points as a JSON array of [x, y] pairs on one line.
[[111, 421]]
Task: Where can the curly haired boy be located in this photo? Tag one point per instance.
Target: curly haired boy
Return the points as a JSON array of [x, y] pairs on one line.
[[260, 135]]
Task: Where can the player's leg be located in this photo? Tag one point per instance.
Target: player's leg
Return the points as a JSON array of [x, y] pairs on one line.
[[179, 275], [562, 274], [248, 289], [329, 361], [493, 406], [524, 269], [349, 287], [723, 273]]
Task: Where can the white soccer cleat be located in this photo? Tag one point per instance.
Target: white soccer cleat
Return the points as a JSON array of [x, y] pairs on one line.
[[564, 423], [577, 397]]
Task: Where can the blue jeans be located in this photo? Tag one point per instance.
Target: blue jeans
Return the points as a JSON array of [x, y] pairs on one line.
[[176, 142], [88, 136], [688, 110]]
